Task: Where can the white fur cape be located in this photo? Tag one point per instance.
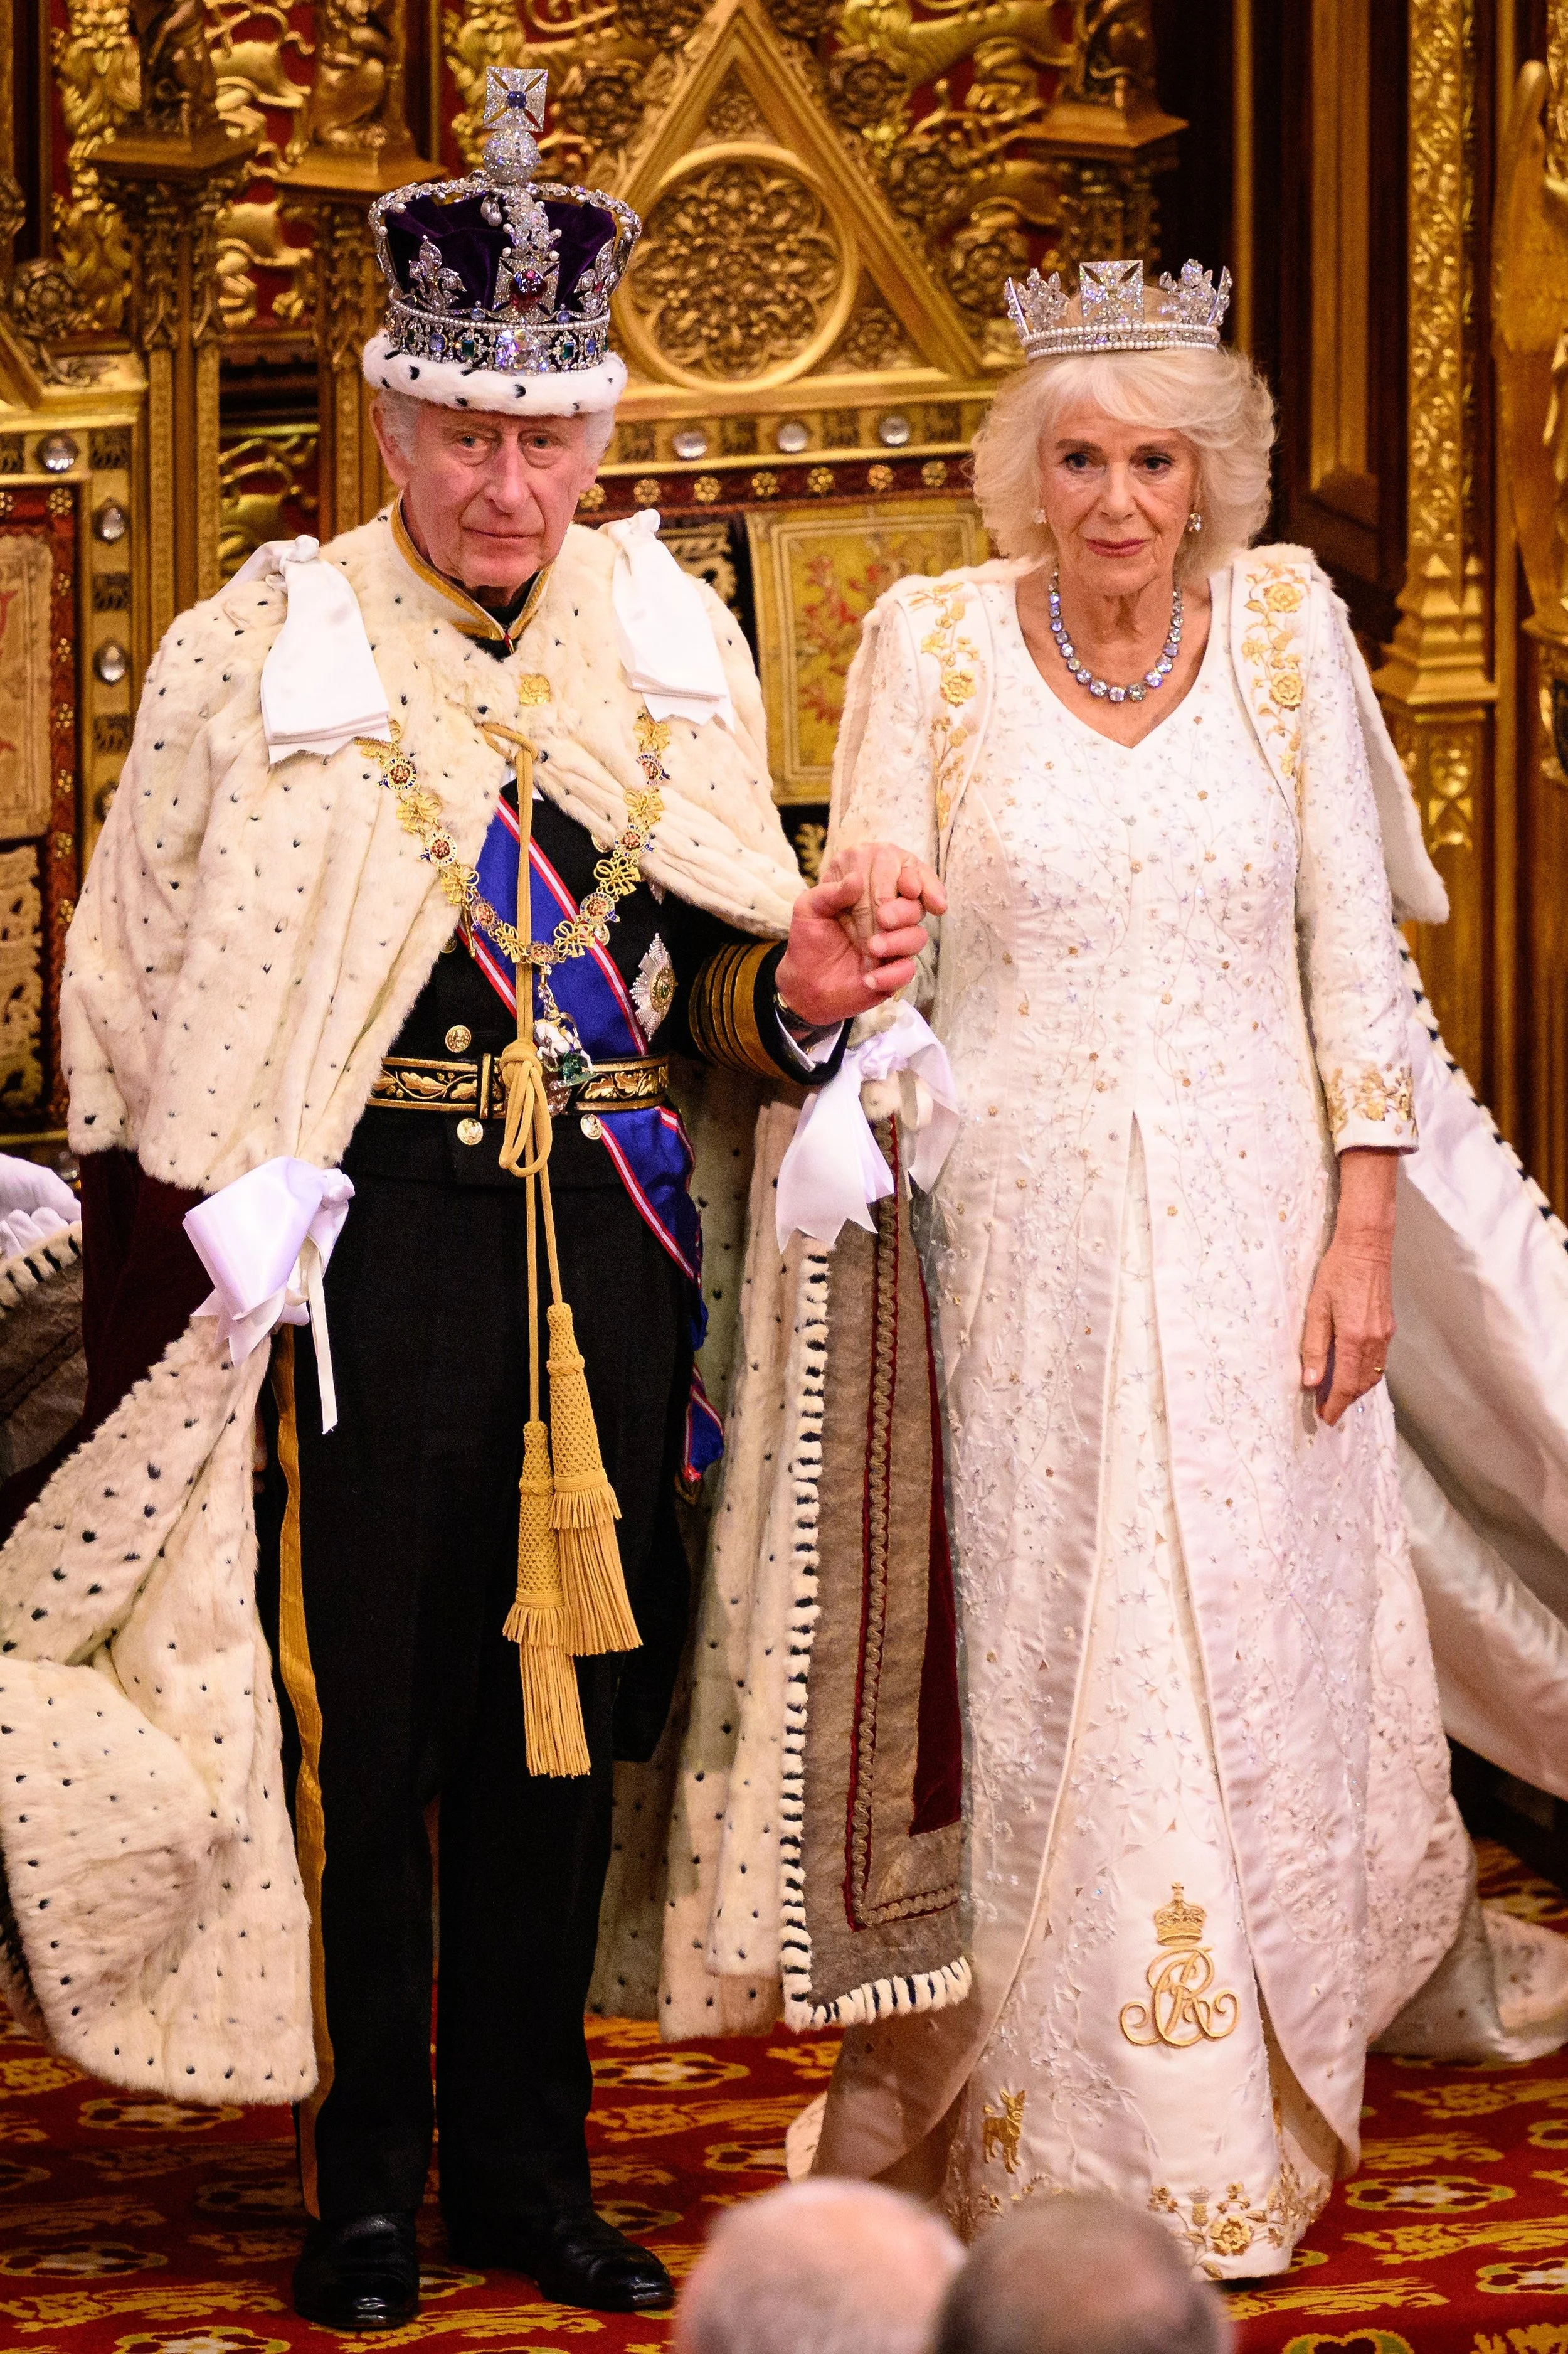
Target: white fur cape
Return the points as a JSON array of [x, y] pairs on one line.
[[249, 943]]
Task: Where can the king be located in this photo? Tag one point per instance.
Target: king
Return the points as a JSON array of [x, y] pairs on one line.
[[441, 854]]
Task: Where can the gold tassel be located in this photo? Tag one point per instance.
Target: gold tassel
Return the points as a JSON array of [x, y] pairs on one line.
[[598, 1615], [537, 1623]]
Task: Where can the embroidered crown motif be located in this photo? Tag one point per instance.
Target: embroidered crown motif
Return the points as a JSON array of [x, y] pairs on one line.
[[500, 270], [1179, 1923], [1113, 313]]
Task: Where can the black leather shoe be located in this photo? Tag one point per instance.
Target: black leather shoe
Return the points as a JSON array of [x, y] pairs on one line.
[[360, 2274], [574, 2256]]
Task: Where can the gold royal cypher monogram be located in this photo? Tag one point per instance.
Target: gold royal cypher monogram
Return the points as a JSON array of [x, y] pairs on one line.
[[1180, 2010]]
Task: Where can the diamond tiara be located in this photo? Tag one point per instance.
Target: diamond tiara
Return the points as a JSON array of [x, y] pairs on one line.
[[1112, 313]]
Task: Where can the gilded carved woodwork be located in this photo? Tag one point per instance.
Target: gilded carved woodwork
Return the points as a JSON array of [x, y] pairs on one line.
[[347, 313], [81, 286], [1435, 685], [266, 490], [352, 141], [355, 106], [175, 166], [1529, 332], [178, 86], [1530, 341], [740, 269], [834, 190], [251, 247], [259, 59]]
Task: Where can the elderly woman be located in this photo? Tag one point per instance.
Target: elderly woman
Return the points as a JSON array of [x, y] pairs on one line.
[[1213, 1849]]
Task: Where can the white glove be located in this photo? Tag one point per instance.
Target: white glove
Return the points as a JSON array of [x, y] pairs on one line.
[[24, 1229], [265, 1239], [833, 1169], [34, 1204]]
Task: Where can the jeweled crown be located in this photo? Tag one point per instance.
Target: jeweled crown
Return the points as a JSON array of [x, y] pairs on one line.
[[1112, 310], [501, 270], [1179, 1923]]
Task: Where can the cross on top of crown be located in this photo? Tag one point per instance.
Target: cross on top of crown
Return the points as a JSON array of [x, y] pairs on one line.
[[513, 110], [512, 90], [1110, 293]]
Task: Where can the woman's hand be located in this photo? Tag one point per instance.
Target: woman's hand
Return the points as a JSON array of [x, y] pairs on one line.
[[1349, 1315], [855, 937]]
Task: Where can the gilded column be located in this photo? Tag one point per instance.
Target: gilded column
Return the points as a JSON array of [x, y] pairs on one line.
[[174, 165], [1530, 347], [1435, 684], [353, 144]]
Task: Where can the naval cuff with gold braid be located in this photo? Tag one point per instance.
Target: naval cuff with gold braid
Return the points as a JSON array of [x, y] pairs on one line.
[[723, 1012]]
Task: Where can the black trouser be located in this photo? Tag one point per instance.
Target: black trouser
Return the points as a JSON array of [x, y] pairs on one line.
[[402, 1536]]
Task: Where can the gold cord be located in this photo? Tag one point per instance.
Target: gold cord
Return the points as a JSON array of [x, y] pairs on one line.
[[571, 1593]]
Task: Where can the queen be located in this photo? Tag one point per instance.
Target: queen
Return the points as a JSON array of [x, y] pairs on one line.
[[1212, 1851]]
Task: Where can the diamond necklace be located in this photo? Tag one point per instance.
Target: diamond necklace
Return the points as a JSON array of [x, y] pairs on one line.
[[1101, 686]]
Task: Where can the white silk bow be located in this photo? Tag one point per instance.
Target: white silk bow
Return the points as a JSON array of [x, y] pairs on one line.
[[667, 647], [265, 1240], [833, 1169], [320, 685]]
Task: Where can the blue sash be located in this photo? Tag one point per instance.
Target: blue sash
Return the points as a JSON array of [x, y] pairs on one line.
[[650, 1148]]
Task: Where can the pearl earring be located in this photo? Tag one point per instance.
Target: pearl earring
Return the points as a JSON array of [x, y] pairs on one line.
[[1194, 520], [1039, 514]]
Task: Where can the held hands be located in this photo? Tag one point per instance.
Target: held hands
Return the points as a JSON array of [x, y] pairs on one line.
[[855, 936], [1349, 1315]]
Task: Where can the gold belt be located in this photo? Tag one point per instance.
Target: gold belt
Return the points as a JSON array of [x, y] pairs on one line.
[[476, 1090]]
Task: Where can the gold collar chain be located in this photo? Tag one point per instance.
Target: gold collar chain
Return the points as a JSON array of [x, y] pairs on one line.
[[616, 875]]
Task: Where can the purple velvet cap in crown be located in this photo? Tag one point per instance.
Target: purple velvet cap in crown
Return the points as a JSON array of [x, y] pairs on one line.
[[501, 275]]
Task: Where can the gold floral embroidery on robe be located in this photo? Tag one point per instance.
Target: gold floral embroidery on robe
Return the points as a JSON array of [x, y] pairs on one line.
[[1370, 1094], [957, 683], [1229, 2225], [1276, 686]]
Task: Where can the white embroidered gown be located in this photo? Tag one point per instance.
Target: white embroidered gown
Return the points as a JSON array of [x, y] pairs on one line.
[[1183, 1602]]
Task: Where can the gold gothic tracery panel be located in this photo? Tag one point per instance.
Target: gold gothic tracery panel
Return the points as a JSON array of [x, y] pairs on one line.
[[834, 190]]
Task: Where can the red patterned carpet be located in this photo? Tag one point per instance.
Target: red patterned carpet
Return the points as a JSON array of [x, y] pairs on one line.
[[141, 2227]]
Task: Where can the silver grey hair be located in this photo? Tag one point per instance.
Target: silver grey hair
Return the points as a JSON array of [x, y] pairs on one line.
[[1215, 399], [819, 2267], [401, 417], [1081, 2274]]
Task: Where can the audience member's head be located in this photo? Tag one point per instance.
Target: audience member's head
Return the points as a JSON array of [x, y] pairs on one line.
[[819, 2267], [1080, 2273]]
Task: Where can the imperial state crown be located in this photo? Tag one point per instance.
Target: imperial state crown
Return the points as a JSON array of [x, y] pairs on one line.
[[1113, 312], [499, 284]]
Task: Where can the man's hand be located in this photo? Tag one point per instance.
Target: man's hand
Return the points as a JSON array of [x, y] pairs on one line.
[[855, 937]]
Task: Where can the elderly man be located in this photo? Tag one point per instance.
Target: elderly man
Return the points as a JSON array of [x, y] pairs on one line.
[[430, 851], [1081, 2274], [819, 2268]]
